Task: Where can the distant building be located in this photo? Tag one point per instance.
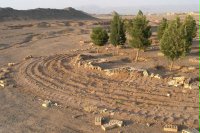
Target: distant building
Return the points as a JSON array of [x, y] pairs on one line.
[[193, 13]]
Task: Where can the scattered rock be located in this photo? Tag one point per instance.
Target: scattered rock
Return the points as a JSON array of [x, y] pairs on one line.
[[11, 64], [47, 103], [148, 124], [168, 95], [2, 85], [145, 73], [28, 57], [177, 81]]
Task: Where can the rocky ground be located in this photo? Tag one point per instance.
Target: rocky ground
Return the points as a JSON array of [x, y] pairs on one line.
[[54, 60]]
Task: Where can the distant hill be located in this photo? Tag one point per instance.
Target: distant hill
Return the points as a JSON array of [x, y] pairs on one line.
[[7, 14]]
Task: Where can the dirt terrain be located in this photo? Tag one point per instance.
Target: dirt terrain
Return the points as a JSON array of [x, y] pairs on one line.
[[53, 72]]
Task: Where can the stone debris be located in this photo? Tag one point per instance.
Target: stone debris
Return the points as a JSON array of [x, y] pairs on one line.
[[107, 126], [28, 57], [112, 124], [177, 81], [168, 95], [3, 83], [47, 103], [188, 69], [170, 128], [157, 76], [81, 42], [4, 78], [185, 83], [194, 60], [103, 110], [99, 121], [90, 61], [11, 64], [116, 122], [148, 124], [145, 73], [193, 130]]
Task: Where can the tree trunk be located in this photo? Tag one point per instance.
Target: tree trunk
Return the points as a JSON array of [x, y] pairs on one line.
[[171, 66], [137, 55], [117, 49], [97, 50]]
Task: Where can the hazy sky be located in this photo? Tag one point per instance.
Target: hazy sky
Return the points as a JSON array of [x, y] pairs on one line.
[[30, 4]]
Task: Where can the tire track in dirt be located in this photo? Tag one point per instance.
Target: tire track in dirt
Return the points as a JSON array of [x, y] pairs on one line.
[[55, 78]]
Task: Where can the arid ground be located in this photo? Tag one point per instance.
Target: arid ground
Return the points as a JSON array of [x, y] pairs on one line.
[[83, 93]]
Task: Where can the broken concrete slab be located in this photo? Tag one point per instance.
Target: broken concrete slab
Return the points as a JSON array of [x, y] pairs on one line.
[[117, 122], [108, 126], [170, 128], [98, 121]]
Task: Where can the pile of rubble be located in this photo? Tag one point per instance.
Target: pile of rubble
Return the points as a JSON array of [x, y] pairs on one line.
[[4, 77], [100, 121], [49, 103], [152, 75], [187, 83], [111, 72], [174, 128]]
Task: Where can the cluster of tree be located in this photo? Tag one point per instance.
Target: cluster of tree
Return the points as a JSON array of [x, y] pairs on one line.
[[175, 37], [117, 35]]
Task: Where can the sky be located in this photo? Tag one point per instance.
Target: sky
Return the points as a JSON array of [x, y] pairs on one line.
[[90, 5]]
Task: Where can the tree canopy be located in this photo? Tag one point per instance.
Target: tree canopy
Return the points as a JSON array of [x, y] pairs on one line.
[[117, 36]]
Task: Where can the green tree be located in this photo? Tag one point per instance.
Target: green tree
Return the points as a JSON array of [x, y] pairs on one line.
[[189, 28], [117, 35], [161, 28], [173, 45], [140, 32], [99, 36]]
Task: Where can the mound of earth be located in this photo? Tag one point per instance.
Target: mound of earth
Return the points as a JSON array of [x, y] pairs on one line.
[[7, 14]]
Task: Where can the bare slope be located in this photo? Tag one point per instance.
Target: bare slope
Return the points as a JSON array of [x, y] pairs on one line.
[[7, 14]]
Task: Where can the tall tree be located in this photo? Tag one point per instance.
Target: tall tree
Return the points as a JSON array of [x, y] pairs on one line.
[[117, 36], [173, 45], [161, 28], [140, 32]]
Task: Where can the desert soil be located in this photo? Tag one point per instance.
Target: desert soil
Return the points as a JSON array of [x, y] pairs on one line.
[[81, 92]]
